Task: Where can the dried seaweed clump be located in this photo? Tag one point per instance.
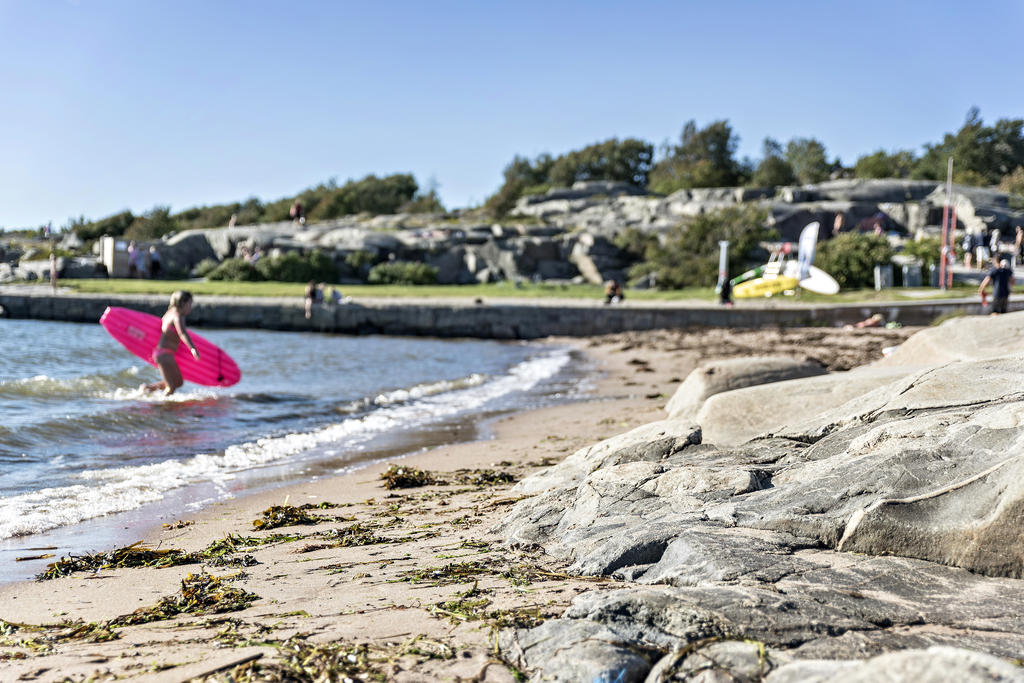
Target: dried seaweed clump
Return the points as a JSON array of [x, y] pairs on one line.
[[286, 515], [401, 477], [200, 594], [483, 478], [52, 634], [129, 556], [353, 535], [301, 660]]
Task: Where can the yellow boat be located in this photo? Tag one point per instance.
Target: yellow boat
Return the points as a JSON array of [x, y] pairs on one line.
[[762, 286]]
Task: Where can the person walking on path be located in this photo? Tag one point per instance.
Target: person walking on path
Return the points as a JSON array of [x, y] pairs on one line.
[[1001, 279], [53, 271]]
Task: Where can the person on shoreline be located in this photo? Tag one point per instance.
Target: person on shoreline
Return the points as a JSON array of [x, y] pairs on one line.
[[53, 271], [1001, 279], [613, 292], [172, 332], [314, 295]]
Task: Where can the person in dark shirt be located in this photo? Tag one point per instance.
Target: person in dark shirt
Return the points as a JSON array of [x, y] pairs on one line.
[[1001, 279]]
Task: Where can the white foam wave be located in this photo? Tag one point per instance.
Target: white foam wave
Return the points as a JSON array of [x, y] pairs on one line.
[[125, 488]]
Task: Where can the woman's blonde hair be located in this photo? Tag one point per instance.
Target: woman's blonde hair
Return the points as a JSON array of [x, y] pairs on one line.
[[179, 299]]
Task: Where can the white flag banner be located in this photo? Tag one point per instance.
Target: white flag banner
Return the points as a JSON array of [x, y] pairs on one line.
[[808, 243]]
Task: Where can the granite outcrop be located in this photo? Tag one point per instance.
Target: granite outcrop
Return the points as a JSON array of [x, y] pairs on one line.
[[875, 533]]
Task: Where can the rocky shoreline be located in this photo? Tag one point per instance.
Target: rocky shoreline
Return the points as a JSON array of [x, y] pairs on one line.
[[872, 531]]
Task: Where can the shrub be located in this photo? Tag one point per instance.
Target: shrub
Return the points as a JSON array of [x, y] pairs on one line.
[[294, 267], [235, 269], [403, 273], [926, 250], [359, 259], [851, 258], [205, 267]]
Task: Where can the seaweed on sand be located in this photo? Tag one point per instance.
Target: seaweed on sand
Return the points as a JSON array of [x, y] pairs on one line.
[[233, 542], [402, 477], [300, 660], [482, 477], [200, 594], [49, 635], [134, 555], [290, 515]]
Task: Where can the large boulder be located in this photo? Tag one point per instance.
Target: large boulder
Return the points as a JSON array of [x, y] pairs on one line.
[[963, 338], [732, 417], [715, 376], [182, 252]]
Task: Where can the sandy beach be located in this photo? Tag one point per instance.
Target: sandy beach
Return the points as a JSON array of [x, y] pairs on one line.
[[402, 584]]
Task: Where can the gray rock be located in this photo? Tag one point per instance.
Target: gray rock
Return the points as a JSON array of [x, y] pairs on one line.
[[731, 552], [964, 338], [715, 376], [185, 250], [732, 417], [933, 665], [651, 442]]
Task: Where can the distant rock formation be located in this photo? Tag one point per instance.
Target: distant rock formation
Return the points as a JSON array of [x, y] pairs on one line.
[[568, 233]]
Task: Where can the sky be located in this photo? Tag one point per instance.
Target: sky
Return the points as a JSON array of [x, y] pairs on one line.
[[108, 105]]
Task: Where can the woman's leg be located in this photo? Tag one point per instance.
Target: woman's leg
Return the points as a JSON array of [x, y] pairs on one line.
[[170, 371]]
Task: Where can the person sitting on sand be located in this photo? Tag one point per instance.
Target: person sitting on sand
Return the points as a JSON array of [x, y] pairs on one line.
[[172, 332]]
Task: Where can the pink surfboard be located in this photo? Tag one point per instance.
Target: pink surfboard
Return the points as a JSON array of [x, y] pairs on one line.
[[139, 333]]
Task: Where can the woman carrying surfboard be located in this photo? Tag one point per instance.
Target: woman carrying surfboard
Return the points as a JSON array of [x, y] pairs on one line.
[[172, 333]]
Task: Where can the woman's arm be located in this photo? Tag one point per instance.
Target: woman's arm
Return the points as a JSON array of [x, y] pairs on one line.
[[179, 325]]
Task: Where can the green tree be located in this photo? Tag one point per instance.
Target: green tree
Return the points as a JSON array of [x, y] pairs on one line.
[[806, 156], [881, 164], [152, 225], [115, 226], [773, 170], [851, 258], [687, 256], [628, 161], [982, 155], [520, 175], [703, 158], [1013, 185]]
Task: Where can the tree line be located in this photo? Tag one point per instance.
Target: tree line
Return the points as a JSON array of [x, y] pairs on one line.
[[372, 195], [707, 157], [703, 157]]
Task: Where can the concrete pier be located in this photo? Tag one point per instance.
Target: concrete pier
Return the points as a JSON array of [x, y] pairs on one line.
[[487, 319]]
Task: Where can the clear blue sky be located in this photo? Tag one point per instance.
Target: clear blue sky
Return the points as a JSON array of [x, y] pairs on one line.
[[108, 105]]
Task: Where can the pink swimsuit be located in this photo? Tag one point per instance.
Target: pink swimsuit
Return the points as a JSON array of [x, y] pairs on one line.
[[159, 351]]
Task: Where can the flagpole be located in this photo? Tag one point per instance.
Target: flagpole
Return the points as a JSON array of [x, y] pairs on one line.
[[944, 254]]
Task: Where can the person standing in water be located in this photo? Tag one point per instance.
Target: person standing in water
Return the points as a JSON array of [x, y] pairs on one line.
[[172, 332]]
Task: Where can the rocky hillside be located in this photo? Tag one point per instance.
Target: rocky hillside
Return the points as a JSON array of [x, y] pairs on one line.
[[568, 234]]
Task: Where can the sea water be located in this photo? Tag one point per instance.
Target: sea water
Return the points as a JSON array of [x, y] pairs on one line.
[[81, 443]]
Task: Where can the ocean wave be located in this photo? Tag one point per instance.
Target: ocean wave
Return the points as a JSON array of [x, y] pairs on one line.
[[118, 489], [44, 386]]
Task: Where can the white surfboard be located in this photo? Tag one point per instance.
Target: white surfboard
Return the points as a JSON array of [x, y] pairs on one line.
[[817, 280]]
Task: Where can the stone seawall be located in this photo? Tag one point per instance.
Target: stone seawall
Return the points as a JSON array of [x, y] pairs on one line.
[[494, 319]]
